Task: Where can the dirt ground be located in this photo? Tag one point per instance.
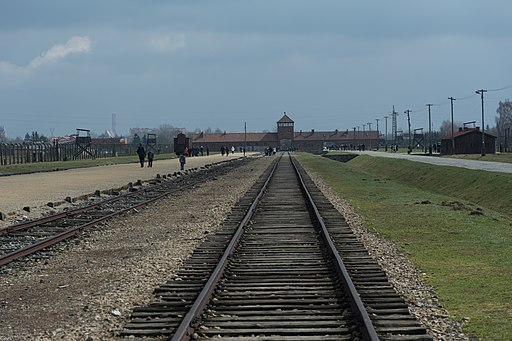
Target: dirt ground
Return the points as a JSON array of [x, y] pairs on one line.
[[35, 191]]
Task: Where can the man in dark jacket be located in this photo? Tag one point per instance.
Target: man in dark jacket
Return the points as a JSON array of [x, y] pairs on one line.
[[142, 154]]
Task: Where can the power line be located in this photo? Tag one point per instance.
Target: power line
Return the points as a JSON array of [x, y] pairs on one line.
[[442, 104], [504, 88], [465, 97]]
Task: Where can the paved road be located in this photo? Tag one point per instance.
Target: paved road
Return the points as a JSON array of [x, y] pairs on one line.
[[470, 164]]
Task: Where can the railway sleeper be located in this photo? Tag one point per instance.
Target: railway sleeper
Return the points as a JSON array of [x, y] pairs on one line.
[[383, 306]]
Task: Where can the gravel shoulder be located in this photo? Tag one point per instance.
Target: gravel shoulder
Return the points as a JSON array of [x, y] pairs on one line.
[[500, 167]]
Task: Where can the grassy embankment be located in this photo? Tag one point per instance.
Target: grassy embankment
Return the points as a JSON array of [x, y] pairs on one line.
[[61, 165], [453, 223]]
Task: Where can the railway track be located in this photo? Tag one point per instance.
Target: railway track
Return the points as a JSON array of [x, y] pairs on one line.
[[27, 238], [275, 272]]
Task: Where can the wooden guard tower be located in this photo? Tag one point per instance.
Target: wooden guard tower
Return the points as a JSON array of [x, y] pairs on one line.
[[83, 143]]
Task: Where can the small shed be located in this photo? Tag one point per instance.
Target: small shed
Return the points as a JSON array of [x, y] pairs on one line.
[[468, 141]]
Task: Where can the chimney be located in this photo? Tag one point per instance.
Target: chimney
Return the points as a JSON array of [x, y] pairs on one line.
[[460, 129], [300, 132]]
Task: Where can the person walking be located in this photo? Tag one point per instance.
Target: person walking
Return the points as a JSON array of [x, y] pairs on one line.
[[183, 160], [142, 154], [151, 156]]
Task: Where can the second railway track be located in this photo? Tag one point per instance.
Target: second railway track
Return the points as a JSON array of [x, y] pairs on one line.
[[285, 266], [29, 237]]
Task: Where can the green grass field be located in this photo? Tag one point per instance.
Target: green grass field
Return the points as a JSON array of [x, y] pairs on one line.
[[453, 223]]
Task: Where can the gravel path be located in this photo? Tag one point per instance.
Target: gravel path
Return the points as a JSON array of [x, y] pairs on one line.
[[36, 190], [441, 161], [87, 290]]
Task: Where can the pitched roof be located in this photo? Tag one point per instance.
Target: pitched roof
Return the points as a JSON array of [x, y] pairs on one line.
[[465, 132], [233, 137], [334, 135], [285, 119]]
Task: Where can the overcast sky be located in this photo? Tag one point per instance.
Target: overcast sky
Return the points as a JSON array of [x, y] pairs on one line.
[[68, 64]]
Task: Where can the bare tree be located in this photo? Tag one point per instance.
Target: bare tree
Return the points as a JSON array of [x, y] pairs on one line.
[[504, 124], [446, 128], [166, 133], [3, 138]]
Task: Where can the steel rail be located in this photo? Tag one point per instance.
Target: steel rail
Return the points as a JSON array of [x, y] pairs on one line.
[[70, 213], [367, 327], [189, 322], [5, 259], [185, 330], [53, 217]]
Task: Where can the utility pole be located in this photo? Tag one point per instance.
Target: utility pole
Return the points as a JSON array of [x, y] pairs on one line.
[[409, 124], [354, 145], [114, 124], [386, 135], [364, 137], [378, 134], [245, 136], [453, 132], [369, 136], [394, 130], [429, 130], [481, 93]]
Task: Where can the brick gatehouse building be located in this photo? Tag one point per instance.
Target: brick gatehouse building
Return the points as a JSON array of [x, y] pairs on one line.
[[286, 138]]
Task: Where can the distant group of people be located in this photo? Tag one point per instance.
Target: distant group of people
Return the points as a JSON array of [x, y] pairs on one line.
[[196, 151], [141, 152], [189, 152], [435, 148], [270, 151], [226, 150]]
